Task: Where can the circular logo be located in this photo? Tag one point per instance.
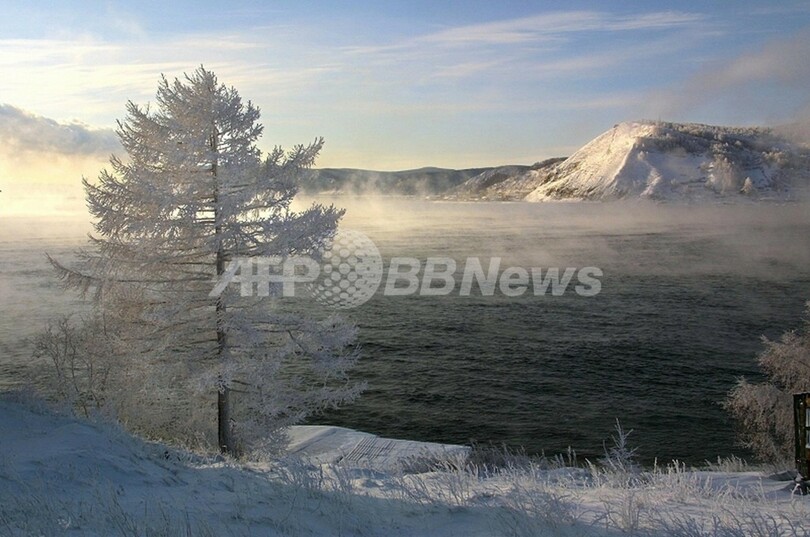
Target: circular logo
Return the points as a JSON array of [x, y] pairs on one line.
[[351, 271]]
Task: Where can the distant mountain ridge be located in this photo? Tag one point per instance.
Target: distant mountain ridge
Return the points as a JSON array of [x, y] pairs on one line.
[[504, 183], [639, 159], [423, 181]]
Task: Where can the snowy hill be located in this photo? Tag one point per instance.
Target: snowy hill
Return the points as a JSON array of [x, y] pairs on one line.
[[62, 476], [670, 161]]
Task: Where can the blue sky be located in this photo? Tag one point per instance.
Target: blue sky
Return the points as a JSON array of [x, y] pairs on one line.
[[397, 85]]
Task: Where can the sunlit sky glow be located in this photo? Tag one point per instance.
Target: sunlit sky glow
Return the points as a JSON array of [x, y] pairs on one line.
[[390, 85]]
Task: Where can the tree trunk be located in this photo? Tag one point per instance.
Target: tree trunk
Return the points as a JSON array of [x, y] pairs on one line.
[[226, 444], [224, 432]]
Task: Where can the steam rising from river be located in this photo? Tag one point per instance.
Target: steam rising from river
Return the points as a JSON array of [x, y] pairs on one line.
[[764, 239]]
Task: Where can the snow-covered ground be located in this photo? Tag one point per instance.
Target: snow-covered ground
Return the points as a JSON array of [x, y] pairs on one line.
[[62, 476]]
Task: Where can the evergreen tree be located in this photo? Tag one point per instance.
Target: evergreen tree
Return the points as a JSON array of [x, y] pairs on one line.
[[193, 195]]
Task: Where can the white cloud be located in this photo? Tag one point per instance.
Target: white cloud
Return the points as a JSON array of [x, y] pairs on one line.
[[92, 78], [549, 28], [529, 49], [371, 94], [26, 132], [42, 162], [546, 27]]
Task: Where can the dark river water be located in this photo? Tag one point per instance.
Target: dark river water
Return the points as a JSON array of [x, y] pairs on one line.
[[686, 295]]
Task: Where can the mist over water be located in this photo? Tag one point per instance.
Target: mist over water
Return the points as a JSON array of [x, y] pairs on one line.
[[31, 294], [687, 292], [769, 239]]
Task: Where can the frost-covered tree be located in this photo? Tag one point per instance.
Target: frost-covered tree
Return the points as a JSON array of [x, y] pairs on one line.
[[765, 410], [193, 194], [82, 357]]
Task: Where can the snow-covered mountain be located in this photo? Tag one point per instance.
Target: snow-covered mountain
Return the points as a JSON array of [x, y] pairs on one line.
[[671, 161]]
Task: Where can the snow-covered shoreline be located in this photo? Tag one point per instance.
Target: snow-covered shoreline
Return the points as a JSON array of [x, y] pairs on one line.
[[63, 476], [326, 444]]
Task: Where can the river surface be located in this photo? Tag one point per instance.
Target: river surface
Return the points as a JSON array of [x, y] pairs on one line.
[[686, 294]]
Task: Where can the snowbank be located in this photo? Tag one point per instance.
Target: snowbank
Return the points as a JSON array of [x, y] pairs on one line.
[[62, 476], [319, 444]]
